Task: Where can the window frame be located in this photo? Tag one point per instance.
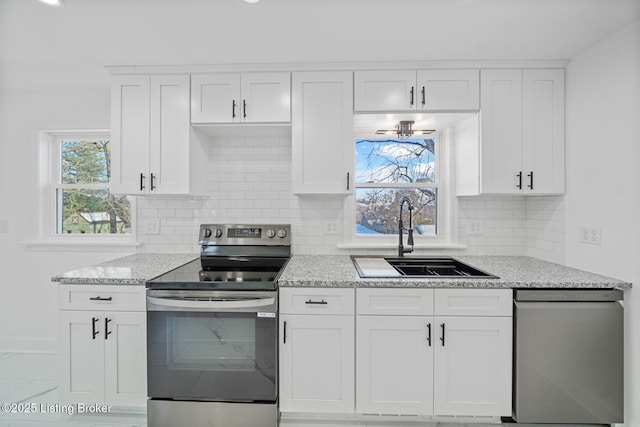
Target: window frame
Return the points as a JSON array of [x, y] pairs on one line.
[[49, 181], [445, 209]]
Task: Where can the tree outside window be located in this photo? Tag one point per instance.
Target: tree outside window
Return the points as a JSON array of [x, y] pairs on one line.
[[388, 170], [84, 204]]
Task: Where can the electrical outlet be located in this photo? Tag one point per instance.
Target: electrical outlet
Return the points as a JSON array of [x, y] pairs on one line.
[[331, 228], [4, 225], [590, 235], [475, 227], [151, 226]]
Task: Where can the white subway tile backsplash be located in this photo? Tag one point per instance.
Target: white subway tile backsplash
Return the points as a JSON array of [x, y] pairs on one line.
[[249, 180]]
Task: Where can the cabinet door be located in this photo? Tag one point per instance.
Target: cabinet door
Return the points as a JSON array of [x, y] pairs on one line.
[[266, 97], [169, 135], [394, 365], [81, 356], [448, 90], [215, 98], [501, 131], [130, 134], [543, 131], [316, 363], [393, 90], [473, 366], [322, 132], [125, 369]]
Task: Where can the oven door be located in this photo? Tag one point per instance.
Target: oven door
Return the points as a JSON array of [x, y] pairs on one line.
[[212, 345]]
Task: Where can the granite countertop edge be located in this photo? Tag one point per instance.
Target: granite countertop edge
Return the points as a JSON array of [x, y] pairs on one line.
[[135, 270], [337, 271]]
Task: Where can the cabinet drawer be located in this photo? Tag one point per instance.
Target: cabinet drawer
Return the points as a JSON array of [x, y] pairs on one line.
[[101, 297], [316, 301], [473, 302], [398, 302]]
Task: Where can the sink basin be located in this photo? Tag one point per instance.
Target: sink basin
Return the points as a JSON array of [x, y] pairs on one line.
[[418, 267]]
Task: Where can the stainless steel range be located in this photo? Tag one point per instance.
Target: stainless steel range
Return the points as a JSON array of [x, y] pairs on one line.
[[212, 331]]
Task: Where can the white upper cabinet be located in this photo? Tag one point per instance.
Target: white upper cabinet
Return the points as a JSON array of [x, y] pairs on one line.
[[501, 130], [422, 90], [543, 131], [152, 147], [521, 135], [241, 98], [322, 132]]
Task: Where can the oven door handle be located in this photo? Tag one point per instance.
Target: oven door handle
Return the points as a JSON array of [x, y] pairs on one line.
[[228, 305]]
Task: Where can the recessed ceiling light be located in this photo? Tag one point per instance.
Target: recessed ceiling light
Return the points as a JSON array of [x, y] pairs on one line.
[[251, 1], [51, 2]]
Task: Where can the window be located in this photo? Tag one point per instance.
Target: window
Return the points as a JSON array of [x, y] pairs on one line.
[[386, 171], [76, 202]]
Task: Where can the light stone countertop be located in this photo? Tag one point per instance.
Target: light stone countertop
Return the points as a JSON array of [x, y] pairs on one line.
[[339, 271], [513, 272], [133, 269]]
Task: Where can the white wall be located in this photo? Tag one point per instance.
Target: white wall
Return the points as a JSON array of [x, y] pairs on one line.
[[603, 172], [27, 297]]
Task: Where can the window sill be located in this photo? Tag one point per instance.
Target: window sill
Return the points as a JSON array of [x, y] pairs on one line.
[[356, 245], [61, 245]]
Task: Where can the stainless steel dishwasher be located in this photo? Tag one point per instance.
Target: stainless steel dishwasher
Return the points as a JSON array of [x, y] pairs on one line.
[[568, 356]]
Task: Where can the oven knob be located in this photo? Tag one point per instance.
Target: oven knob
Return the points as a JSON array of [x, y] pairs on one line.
[[218, 233], [207, 233], [271, 233], [282, 234]]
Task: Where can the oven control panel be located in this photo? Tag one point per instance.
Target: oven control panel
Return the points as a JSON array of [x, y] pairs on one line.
[[235, 234]]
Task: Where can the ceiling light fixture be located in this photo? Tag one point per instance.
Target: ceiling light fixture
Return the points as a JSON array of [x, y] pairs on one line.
[[404, 129], [251, 1], [52, 2]]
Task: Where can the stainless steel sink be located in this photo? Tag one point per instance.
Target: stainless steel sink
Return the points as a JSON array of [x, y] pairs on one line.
[[416, 267]]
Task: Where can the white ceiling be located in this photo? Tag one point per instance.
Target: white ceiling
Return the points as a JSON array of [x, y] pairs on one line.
[[42, 46]]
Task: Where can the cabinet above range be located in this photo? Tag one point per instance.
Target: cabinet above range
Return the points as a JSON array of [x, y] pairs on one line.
[[241, 98]]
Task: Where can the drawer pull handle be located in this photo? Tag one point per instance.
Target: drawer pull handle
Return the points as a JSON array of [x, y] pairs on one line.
[[100, 299], [323, 302]]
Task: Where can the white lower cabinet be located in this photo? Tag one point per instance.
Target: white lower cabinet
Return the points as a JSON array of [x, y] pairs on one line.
[[394, 365], [316, 350], [472, 366], [421, 363], [102, 351]]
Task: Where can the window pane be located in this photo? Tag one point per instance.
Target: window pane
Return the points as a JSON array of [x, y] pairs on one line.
[[92, 212], [377, 210], [85, 162], [395, 160]]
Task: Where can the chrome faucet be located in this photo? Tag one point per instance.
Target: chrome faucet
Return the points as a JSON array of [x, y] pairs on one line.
[[401, 248]]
